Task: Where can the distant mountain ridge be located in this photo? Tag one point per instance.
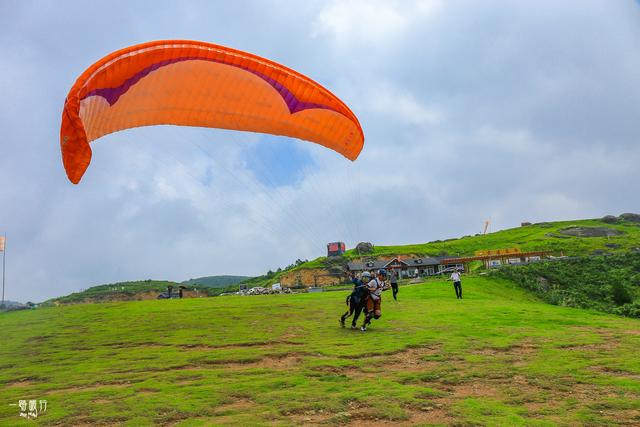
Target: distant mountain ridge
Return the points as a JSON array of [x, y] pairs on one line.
[[216, 281], [139, 290]]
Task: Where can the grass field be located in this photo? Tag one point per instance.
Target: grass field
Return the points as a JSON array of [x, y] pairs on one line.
[[498, 357]]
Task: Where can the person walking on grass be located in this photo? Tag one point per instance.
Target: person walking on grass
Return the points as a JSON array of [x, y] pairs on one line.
[[457, 285], [394, 284]]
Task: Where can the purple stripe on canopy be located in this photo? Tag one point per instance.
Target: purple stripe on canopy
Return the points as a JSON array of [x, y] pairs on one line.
[[111, 95]]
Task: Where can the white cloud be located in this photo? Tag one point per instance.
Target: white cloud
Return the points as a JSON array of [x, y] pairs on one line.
[[401, 105], [499, 110], [370, 21]]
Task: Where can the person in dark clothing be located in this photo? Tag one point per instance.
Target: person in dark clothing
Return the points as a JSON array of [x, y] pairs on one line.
[[357, 301], [394, 284], [364, 278]]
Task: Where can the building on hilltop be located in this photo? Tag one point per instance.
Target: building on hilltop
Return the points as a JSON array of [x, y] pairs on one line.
[[498, 257], [427, 266], [335, 249], [405, 267]]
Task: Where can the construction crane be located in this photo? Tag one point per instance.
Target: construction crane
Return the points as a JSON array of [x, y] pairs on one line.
[[487, 224]]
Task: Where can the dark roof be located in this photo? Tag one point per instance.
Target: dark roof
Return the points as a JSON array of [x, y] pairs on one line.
[[418, 262], [382, 263], [368, 265]]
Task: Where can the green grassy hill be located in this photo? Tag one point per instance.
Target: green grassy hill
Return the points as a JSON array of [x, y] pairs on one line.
[[547, 236], [216, 281], [125, 291], [498, 357]]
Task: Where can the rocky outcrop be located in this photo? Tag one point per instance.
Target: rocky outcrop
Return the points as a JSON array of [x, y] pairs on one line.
[[364, 248], [576, 231], [631, 217], [311, 277], [609, 219]]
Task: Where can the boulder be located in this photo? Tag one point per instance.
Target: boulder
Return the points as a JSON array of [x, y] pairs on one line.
[[609, 219], [631, 217], [364, 248]]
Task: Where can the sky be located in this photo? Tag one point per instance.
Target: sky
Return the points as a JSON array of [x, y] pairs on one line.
[[506, 111]]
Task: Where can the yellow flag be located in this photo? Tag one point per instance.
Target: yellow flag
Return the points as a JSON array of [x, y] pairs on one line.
[[2, 243]]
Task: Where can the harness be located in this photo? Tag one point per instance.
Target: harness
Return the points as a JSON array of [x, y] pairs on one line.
[[371, 293]]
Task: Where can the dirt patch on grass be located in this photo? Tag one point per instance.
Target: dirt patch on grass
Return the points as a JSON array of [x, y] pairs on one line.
[[312, 417], [609, 371], [226, 413], [94, 386], [412, 359], [184, 380], [239, 405], [27, 382], [198, 346], [524, 347], [474, 389], [362, 416], [265, 344], [289, 361], [429, 414], [279, 362]]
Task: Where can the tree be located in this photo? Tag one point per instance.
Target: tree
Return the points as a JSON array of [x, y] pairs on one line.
[[621, 295]]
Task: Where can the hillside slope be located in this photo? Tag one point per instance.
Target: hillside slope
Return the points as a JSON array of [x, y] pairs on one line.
[[216, 281], [559, 238], [497, 357], [606, 283], [547, 236], [136, 290]]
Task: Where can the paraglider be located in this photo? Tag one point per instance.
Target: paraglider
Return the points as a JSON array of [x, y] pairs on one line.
[[191, 83]]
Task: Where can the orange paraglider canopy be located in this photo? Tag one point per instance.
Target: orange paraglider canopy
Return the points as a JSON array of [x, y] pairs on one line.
[[190, 83]]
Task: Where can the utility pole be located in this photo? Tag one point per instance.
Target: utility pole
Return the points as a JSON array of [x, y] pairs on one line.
[[4, 257]]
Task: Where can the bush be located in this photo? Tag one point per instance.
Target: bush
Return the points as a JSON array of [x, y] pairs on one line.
[[605, 283], [629, 310], [621, 295]]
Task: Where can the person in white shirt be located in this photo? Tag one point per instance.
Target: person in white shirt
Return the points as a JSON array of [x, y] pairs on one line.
[[457, 285], [374, 302]]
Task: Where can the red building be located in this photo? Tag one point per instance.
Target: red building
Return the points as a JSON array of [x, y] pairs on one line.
[[335, 248]]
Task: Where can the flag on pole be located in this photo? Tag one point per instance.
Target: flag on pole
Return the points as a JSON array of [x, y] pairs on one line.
[[2, 243]]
